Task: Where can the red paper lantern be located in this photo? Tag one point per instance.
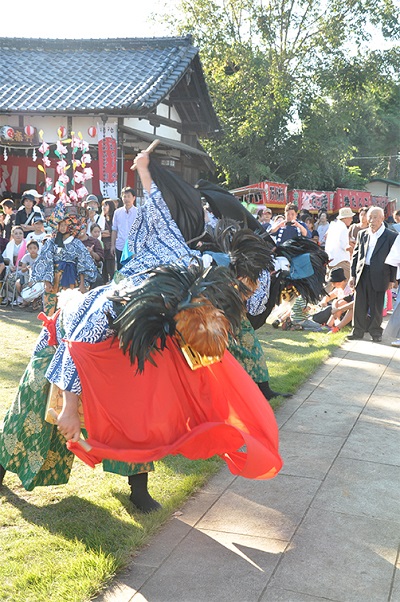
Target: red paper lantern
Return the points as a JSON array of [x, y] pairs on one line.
[[92, 131], [62, 131], [29, 130]]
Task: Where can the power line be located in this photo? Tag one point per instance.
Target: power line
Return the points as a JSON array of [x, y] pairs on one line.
[[380, 157]]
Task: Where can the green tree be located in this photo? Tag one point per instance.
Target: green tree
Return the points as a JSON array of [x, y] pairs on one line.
[[263, 63]]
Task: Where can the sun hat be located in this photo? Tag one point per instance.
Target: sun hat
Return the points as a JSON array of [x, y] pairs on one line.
[[91, 198], [345, 212]]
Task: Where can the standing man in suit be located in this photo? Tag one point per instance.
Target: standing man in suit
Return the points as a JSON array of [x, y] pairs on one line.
[[371, 276]]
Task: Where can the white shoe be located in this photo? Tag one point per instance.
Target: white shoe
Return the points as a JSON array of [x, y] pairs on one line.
[[396, 343]]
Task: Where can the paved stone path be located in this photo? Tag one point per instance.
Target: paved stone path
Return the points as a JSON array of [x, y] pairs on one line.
[[326, 528]]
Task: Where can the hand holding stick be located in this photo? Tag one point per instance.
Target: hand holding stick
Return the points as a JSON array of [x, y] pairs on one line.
[[148, 150], [81, 441]]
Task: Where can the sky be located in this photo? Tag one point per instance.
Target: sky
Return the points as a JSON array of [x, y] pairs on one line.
[[94, 19], [84, 19]]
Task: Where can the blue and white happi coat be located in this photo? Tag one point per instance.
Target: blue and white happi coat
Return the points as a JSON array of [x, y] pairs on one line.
[[73, 251], [154, 239]]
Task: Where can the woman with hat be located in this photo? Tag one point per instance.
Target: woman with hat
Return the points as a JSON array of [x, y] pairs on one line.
[[28, 211]]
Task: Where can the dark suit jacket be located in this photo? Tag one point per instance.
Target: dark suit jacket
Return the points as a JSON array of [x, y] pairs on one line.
[[381, 273]]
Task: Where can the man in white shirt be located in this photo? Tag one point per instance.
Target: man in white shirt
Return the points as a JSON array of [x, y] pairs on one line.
[[371, 276], [122, 223], [337, 244]]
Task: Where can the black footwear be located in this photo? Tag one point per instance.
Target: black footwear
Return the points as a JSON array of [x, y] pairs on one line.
[[377, 339], [140, 496], [269, 393], [277, 394], [353, 337], [2, 473]]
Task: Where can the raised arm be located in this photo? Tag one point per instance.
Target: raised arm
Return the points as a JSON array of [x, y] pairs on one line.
[[142, 165]]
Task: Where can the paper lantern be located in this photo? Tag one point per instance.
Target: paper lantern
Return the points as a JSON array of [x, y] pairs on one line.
[[62, 131], [92, 131], [7, 132], [29, 130]]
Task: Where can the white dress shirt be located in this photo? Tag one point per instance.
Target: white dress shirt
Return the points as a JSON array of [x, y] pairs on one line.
[[372, 240]]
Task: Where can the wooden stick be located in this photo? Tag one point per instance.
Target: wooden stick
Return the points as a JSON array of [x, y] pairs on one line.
[[149, 149], [81, 441]]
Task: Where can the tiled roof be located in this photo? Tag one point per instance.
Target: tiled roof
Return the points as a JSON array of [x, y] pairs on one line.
[[121, 76]]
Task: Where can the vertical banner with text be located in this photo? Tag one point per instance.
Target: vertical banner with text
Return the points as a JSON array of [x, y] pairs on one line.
[[108, 172]]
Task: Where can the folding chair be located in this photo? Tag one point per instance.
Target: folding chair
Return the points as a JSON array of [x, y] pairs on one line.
[[5, 284]]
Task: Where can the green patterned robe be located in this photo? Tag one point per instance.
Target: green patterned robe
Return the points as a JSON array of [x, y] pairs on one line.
[[33, 448]]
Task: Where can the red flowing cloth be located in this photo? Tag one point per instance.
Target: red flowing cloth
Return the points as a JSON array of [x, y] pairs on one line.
[[170, 409]]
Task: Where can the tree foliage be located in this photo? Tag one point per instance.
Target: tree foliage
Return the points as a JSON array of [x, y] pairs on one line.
[[297, 93]]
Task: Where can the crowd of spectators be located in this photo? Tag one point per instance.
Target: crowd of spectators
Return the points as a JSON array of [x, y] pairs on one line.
[[25, 227], [339, 237]]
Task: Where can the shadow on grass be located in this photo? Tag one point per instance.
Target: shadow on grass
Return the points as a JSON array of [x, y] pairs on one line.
[[20, 318], [74, 519]]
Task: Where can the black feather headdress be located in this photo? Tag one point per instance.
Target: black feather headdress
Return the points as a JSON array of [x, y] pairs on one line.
[[149, 315], [183, 200], [248, 252]]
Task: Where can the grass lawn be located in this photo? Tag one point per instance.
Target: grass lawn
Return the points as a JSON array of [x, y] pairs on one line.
[[63, 544]]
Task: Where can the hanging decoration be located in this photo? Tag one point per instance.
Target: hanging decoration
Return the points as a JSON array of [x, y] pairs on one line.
[[92, 131], [19, 136], [34, 155], [62, 131], [7, 133], [29, 130], [79, 176], [107, 146], [5, 155]]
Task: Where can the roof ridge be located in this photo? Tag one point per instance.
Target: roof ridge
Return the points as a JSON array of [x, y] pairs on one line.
[[186, 40]]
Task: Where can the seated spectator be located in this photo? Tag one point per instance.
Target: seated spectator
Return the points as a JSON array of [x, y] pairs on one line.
[[25, 270], [290, 227], [2, 268], [299, 318], [28, 211], [14, 251], [15, 248], [341, 300], [38, 234]]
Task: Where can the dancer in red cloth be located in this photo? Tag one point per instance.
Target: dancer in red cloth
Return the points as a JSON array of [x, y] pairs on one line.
[[142, 411], [169, 408]]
